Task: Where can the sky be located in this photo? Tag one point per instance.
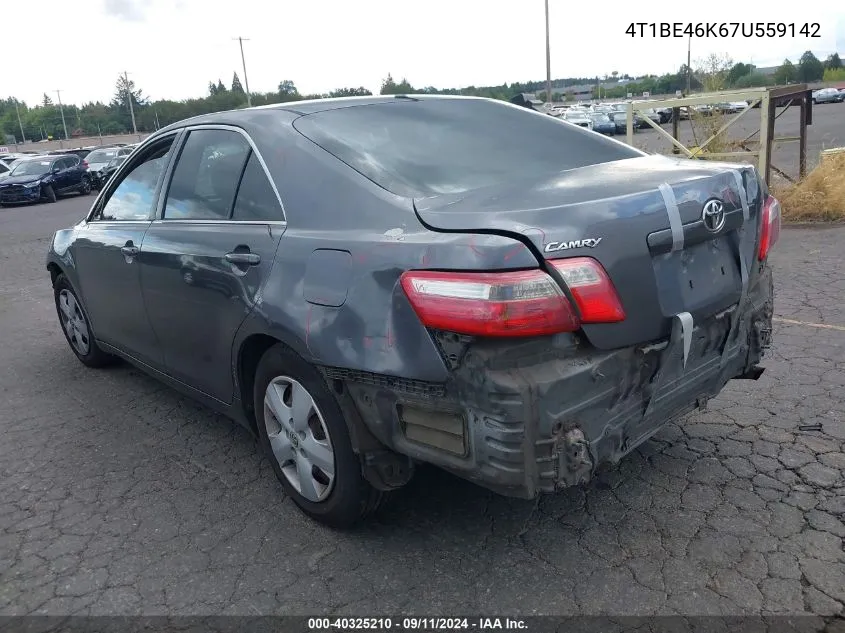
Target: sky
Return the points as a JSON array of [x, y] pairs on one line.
[[173, 48]]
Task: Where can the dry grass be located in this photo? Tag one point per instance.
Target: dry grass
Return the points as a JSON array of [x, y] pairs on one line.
[[819, 196]]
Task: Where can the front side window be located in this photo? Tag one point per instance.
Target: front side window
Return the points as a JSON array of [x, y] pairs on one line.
[[206, 176], [134, 197]]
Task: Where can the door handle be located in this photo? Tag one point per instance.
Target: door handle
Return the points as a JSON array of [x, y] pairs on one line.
[[249, 259]]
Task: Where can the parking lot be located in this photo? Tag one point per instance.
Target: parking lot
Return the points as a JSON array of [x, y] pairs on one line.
[[827, 130], [119, 496]]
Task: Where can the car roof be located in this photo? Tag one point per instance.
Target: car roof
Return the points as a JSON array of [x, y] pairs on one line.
[[308, 106]]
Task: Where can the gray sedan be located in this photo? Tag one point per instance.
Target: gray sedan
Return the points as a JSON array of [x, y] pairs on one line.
[[369, 284]]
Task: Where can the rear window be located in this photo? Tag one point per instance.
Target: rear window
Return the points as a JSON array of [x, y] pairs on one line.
[[443, 146]]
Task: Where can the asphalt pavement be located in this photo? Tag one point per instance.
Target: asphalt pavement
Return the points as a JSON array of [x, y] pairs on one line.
[[119, 496]]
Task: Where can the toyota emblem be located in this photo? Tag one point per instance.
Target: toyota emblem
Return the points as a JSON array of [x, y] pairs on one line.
[[713, 215]]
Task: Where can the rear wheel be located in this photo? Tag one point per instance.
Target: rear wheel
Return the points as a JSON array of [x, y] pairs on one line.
[[85, 187], [303, 432], [48, 193], [75, 326]]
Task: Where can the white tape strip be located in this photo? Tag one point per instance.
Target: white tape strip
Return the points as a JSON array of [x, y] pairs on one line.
[[674, 216], [742, 194], [687, 326]]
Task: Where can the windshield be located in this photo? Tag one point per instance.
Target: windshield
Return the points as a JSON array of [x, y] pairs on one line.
[[575, 114], [31, 168], [442, 146], [600, 118], [117, 161], [101, 155]]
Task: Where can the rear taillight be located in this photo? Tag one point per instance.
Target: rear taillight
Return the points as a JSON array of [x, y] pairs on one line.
[[522, 303], [770, 229], [592, 290]]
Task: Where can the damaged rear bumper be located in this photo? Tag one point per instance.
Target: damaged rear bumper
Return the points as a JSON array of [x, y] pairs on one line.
[[529, 417]]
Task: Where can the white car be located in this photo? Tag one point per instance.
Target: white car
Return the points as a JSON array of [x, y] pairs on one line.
[[827, 95], [578, 117]]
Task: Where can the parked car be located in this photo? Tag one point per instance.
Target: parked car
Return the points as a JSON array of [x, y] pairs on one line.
[[100, 159], [4, 169], [649, 113], [44, 178], [665, 114], [107, 172], [602, 124], [620, 121], [374, 283], [827, 95], [578, 117], [81, 152]]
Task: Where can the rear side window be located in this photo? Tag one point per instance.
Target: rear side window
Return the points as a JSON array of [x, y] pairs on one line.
[[442, 146], [206, 176], [257, 202]]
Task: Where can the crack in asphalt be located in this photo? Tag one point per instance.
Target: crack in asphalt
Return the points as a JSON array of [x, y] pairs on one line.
[[119, 496]]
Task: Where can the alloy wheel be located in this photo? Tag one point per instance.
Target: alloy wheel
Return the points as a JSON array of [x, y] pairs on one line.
[[299, 438], [74, 322]]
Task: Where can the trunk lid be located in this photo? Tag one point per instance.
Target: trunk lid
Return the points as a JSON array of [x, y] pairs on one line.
[[616, 213]]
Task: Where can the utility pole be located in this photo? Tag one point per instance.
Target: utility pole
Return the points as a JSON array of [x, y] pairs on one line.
[[18, 112], [241, 41], [130, 97], [689, 62], [62, 110], [548, 59]]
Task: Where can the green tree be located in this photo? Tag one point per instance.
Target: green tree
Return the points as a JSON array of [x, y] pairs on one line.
[[833, 62], [738, 71], [753, 80], [287, 88], [236, 84], [46, 101], [713, 71], [390, 87], [350, 92], [786, 73], [810, 68], [124, 89], [834, 74]]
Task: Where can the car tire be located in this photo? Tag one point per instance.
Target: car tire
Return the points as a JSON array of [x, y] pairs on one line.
[[340, 499], [48, 193], [77, 327], [85, 187]]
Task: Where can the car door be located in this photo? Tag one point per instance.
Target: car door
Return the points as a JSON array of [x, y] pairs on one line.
[[59, 179], [205, 259], [74, 172], [106, 253]]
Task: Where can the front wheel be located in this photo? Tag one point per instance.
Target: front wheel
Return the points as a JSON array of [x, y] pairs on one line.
[[85, 187], [76, 326], [48, 193], [304, 434]]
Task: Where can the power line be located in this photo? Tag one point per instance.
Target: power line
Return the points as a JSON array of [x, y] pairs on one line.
[[62, 110], [241, 41]]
